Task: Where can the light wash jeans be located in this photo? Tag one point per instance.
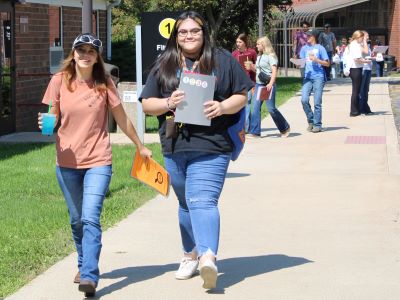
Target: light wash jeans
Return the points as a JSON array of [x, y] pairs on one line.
[[197, 179], [277, 117], [317, 86], [248, 110], [364, 90], [84, 192]]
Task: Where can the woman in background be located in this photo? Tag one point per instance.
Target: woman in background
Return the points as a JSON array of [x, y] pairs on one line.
[[267, 61], [243, 51], [357, 48]]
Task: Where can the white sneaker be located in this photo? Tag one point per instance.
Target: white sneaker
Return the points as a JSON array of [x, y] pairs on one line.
[[209, 272], [187, 268]]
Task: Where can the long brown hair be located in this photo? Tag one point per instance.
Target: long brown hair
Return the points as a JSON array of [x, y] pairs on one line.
[[170, 59], [98, 73]]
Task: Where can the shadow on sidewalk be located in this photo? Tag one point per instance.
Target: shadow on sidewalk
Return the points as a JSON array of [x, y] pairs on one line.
[[234, 270], [131, 275], [238, 269]]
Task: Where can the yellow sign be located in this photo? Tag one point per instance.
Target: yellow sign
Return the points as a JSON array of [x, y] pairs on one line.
[[165, 27]]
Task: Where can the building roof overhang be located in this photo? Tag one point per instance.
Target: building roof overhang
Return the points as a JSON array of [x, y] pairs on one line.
[[310, 11]]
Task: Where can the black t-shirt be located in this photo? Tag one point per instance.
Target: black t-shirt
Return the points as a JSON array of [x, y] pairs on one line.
[[230, 79]]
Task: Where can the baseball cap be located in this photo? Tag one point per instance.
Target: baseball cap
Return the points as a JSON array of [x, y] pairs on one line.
[[313, 32], [88, 39], [327, 25]]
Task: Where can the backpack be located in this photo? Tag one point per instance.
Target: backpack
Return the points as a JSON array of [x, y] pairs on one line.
[[237, 133]]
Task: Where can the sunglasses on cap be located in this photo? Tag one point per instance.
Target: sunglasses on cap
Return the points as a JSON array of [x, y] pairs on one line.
[[88, 39]]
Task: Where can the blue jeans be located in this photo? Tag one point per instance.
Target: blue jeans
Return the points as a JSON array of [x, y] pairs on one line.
[[329, 69], [84, 192], [277, 117], [248, 110], [197, 179], [364, 90], [316, 85]]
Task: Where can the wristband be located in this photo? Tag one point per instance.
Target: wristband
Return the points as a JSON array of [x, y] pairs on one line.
[[169, 108]]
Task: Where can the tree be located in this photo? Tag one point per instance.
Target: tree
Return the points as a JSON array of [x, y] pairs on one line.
[[226, 18]]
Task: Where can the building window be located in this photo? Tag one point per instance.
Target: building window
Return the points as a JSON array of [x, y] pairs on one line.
[[55, 26]]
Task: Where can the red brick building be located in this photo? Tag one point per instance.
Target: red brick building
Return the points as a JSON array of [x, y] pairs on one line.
[[37, 34]]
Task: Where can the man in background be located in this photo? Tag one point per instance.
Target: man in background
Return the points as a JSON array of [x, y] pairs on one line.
[[328, 40], [300, 39]]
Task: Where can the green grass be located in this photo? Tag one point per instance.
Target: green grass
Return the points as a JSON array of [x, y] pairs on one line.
[[286, 88], [35, 231]]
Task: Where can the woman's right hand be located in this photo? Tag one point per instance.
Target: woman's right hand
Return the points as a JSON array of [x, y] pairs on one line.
[[40, 120], [175, 98]]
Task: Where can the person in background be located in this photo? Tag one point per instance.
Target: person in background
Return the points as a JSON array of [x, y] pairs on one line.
[[197, 158], [340, 51], [365, 80], [357, 48], [314, 80], [299, 40], [81, 94], [267, 61], [328, 40], [243, 50], [378, 61]]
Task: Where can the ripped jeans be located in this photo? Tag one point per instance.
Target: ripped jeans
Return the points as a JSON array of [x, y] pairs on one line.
[[197, 179]]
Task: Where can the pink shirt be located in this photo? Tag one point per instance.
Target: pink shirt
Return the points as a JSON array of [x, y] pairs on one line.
[[82, 139]]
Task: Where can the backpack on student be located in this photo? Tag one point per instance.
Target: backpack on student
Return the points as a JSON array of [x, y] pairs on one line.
[[237, 133]]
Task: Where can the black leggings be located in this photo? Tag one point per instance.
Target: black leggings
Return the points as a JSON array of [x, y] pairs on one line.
[[356, 76]]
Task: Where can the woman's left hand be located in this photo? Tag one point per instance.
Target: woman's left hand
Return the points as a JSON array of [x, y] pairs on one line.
[[213, 109], [269, 86]]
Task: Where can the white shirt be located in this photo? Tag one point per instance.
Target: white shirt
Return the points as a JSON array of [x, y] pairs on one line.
[[354, 53]]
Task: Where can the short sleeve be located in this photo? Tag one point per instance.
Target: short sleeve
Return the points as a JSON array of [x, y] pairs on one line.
[[273, 61], [113, 99], [52, 93], [324, 54], [151, 89]]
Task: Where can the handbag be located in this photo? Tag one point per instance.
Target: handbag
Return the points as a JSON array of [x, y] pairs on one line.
[[263, 76], [237, 133]]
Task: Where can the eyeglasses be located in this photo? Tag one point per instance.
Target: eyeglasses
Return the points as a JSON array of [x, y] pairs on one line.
[[88, 39], [193, 32]]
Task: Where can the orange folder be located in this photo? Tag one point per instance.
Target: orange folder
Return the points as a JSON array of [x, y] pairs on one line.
[[151, 173]]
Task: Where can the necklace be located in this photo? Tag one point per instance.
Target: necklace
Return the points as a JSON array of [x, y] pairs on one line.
[[185, 68]]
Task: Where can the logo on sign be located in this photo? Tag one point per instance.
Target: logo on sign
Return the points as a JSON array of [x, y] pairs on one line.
[[195, 82], [165, 27]]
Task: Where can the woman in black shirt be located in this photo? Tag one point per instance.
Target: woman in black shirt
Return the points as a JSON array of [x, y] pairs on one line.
[[197, 157]]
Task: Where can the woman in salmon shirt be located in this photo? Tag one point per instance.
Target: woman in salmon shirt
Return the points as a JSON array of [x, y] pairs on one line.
[[82, 93]]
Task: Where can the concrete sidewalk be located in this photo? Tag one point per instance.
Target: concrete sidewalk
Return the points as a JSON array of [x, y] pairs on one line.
[[312, 216]]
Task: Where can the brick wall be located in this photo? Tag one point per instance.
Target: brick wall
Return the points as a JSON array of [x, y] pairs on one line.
[[394, 31], [31, 62], [32, 56]]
